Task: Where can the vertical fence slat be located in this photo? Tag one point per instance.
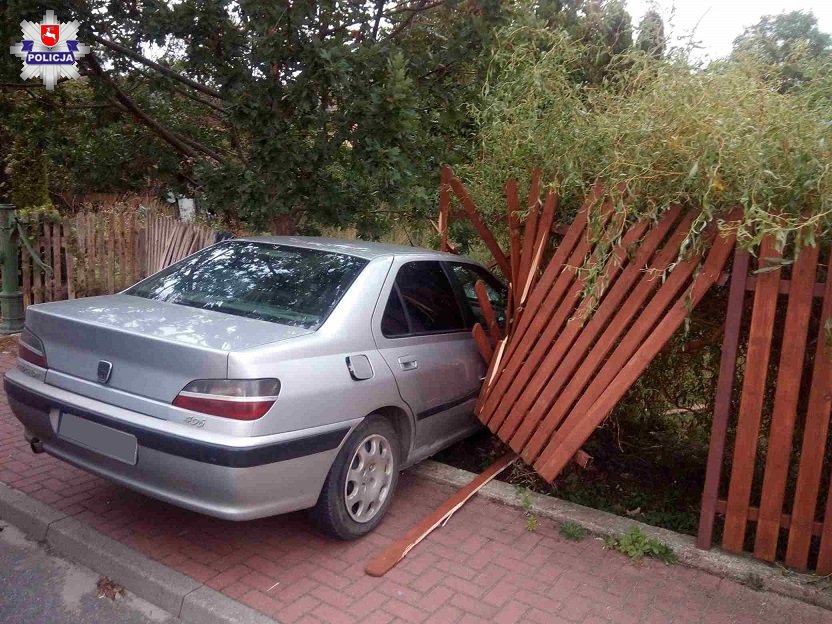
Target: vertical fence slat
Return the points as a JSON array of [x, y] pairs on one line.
[[812, 454], [26, 283], [111, 254], [753, 393], [722, 402], [37, 272], [70, 265], [784, 413], [49, 279], [57, 268]]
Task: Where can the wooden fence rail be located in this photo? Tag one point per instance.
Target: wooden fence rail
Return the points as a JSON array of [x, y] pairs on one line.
[[103, 253]]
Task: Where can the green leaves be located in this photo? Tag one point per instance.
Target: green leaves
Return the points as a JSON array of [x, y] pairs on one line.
[[636, 545]]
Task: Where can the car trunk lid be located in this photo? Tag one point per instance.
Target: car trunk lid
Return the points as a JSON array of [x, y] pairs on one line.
[[155, 348]]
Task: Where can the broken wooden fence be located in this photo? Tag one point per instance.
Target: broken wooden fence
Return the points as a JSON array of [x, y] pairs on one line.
[[568, 352], [785, 386], [103, 253]]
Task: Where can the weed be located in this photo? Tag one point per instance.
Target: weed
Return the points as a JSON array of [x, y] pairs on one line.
[[572, 531], [637, 545], [526, 502], [754, 581]]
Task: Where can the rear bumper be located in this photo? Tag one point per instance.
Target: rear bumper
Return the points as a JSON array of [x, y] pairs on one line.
[[231, 478]]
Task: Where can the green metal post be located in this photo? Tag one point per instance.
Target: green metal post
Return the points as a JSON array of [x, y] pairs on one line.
[[11, 299]]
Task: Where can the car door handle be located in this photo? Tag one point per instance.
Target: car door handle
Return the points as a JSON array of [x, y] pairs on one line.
[[408, 363]]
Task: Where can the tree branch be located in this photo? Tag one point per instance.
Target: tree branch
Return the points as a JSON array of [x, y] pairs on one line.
[[112, 45], [187, 147]]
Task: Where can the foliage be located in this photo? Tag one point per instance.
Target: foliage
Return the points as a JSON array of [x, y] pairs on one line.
[[785, 43], [651, 37], [572, 531], [658, 132], [636, 545], [300, 114], [27, 168]]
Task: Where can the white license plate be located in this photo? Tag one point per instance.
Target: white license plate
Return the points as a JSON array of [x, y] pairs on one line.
[[98, 438]]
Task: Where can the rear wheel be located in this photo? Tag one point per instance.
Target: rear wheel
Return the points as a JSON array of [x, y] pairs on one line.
[[361, 482]]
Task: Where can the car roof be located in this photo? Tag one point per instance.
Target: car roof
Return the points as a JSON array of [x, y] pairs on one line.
[[352, 247]]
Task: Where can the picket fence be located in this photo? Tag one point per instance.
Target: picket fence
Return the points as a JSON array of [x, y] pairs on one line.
[[103, 253]]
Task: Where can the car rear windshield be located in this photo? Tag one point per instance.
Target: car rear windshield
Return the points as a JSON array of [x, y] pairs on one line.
[[277, 283]]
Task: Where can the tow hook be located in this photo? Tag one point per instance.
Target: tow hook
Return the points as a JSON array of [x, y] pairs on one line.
[[36, 445]]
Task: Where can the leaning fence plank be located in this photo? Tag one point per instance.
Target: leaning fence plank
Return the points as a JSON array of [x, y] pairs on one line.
[[543, 232], [631, 282], [568, 440], [546, 325], [587, 384], [482, 229], [398, 550], [785, 404], [513, 229], [444, 206], [529, 230], [482, 342], [722, 402], [753, 394], [812, 452], [557, 348], [488, 312]]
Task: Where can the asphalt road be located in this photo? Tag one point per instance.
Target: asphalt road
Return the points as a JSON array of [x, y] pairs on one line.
[[37, 587]]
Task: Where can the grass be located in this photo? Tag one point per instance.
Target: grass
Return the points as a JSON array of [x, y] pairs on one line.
[[572, 531]]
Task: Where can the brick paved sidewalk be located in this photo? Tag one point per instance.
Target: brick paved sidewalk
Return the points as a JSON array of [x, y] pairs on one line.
[[482, 566]]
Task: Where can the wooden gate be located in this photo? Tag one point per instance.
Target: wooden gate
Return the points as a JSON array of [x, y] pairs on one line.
[[784, 387]]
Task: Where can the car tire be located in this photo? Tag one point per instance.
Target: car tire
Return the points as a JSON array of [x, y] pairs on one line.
[[361, 481]]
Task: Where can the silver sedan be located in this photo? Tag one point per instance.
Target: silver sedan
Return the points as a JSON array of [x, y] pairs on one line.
[[261, 376]]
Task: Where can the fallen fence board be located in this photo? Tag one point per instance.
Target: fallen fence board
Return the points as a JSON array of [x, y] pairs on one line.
[[398, 550]]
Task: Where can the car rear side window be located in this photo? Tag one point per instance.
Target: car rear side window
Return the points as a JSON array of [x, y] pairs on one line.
[[424, 296], [277, 283]]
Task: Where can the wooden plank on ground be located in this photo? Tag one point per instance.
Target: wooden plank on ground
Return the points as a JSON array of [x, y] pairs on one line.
[[753, 395], [398, 550], [789, 374], [722, 401]]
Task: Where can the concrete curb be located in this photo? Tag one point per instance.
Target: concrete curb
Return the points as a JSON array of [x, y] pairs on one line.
[[178, 594], [29, 515], [740, 568]]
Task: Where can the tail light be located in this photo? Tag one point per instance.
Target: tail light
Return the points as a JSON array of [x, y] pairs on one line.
[[240, 399], [30, 348]]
